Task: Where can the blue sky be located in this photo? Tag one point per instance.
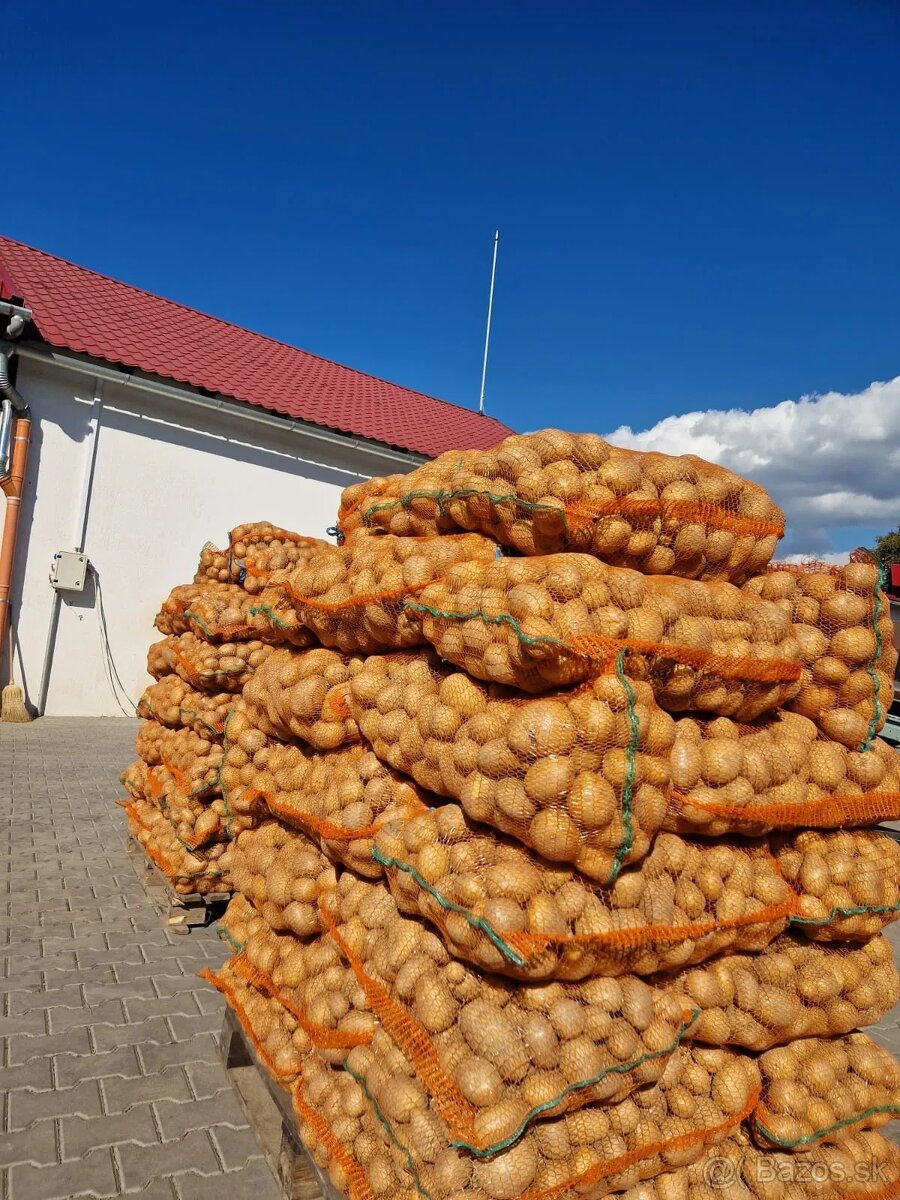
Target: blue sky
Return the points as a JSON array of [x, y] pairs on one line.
[[697, 201]]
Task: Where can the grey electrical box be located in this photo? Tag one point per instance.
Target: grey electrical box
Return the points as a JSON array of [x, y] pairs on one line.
[[68, 571]]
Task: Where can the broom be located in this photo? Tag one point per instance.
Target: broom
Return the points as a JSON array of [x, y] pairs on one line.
[[12, 701]]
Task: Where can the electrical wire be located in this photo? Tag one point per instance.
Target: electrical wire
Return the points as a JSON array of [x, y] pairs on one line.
[[109, 665]]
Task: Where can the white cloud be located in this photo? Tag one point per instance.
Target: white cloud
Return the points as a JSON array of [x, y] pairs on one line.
[[832, 461]]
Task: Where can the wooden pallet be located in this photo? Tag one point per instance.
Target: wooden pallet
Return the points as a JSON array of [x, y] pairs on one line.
[[180, 913], [272, 1118]]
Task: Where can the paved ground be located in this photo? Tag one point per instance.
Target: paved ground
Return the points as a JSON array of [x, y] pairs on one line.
[[111, 1073], [110, 1065]]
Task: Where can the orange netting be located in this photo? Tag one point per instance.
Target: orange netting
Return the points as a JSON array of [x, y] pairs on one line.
[[860, 1165], [207, 667], [780, 772], [283, 874], [304, 694], [581, 776], [175, 703], [544, 623], [815, 1088], [192, 761], [842, 620], [544, 492], [201, 871], [215, 612], [254, 552], [848, 882], [504, 909], [494, 1056], [344, 1136], [340, 798], [352, 596], [794, 989], [590, 1153], [278, 1041]]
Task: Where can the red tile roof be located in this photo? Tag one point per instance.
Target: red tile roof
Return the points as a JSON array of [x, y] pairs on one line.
[[79, 310]]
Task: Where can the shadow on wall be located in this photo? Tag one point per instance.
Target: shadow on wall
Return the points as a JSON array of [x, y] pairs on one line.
[[168, 422], [73, 421]]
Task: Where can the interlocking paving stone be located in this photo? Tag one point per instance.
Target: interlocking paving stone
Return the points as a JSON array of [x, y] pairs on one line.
[[93, 1175], [120, 1094], [27, 1105], [138, 1165], [78, 1135], [110, 1056], [36, 1145]]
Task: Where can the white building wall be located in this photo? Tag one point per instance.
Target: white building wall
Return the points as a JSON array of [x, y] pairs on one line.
[[168, 477]]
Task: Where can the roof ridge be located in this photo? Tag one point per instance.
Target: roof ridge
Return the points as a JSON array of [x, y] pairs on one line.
[[231, 324]]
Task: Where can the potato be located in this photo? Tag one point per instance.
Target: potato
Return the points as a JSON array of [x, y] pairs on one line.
[[552, 771], [544, 492], [556, 927], [254, 552], [811, 1086], [845, 634], [848, 882], [208, 668], [694, 659]]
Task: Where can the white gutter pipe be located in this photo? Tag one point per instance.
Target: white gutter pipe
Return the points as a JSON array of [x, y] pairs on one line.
[[183, 395]]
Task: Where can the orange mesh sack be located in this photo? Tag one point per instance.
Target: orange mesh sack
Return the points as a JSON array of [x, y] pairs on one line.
[[842, 620], [215, 612], [307, 978], [192, 761], [200, 871], [544, 623], [861, 1165], [815, 1088], [281, 1045], [208, 668], [701, 1096], [195, 819], [273, 616], [404, 505], [549, 491], [793, 989], [501, 907], [581, 776], [345, 1138], [173, 702], [134, 779], [848, 882], [494, 1056], [780, 772], [254, 552], [283, 873], [340, 798], [304, 694], [352, 597], [237, 922]]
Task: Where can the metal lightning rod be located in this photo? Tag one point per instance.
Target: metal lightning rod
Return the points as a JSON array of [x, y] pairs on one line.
[[487, 333]]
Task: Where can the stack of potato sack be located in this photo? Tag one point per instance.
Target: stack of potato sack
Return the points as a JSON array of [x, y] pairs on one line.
[[565, 881], [214, 642]]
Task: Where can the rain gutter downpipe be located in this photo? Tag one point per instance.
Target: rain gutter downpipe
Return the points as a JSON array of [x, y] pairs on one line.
[[15, 435]]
